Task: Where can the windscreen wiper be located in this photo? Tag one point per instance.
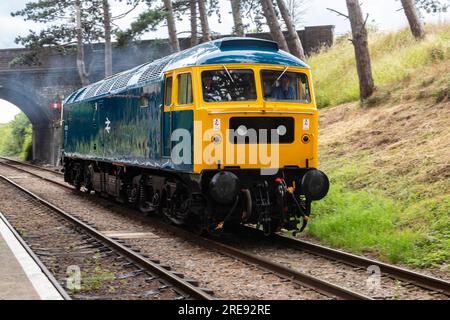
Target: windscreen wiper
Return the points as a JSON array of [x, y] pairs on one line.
[[282, 74], [228, 73]]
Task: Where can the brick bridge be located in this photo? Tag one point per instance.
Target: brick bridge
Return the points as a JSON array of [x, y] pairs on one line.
[[34, 88]]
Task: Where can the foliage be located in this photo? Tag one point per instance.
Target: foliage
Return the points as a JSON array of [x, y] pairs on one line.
[[60, 33], [147, 21], [155, 15], [16, 137], [433, 6]]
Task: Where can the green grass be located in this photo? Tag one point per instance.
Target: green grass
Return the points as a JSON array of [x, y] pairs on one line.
[[395, 57], [368, 221], [395, 218], [386, 202]]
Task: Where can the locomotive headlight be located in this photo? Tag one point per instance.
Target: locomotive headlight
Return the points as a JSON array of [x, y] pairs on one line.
[[242, 130], [281, 130]]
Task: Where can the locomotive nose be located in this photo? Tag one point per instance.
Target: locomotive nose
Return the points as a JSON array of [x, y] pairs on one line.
[[223, 187], [315, 184]]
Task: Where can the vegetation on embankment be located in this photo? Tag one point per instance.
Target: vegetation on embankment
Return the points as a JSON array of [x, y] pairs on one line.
[[16, 137], [388, 159], [395, 57]]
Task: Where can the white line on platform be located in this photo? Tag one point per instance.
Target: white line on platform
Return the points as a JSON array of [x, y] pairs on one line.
[[40, 282]]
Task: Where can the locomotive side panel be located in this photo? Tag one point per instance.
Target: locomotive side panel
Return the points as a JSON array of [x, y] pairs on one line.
[[82, 134]]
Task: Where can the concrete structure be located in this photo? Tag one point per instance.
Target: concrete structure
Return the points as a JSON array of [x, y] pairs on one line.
[[34, 88]]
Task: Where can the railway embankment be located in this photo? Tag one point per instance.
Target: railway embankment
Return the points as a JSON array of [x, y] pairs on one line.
[[388, 158]]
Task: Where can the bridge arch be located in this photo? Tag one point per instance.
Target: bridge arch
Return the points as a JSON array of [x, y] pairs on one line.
[[29, 101], [26, 99]]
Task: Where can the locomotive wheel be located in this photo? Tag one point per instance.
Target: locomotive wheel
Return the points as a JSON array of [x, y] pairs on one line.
[[271, 227]]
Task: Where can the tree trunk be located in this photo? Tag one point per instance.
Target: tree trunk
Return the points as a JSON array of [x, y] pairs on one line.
[[294, 40], [206, 33], [174, 44], [361, 46], [194, 36], [274, 26], [81, 66], [237, 18], [108, 45], [413, 18]]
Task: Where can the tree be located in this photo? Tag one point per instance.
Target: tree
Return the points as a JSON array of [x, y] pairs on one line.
[[84, 75], [206, 33], [16, 137], [360, 44], [297, 9], [433, 6], [170, 17], [293, 38], [193, 16], [415, 24], [71, 25], [150, 19], [108, 44], [237, 18], [274, 26]]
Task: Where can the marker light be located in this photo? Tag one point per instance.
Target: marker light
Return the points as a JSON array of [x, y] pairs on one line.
[[242, 130], [281, 130]]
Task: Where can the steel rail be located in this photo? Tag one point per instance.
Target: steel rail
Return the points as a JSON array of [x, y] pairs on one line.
[[31, 165], [409, 276], [415, 278], [35, 174], [187, 288], [36, 259], [299, 278], [296, 277]]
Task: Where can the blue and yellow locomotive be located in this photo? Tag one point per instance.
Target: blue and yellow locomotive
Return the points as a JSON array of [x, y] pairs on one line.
[[221, 134]]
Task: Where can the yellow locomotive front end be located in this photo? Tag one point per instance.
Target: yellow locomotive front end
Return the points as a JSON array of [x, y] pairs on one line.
[[255, 117], [256, 144]]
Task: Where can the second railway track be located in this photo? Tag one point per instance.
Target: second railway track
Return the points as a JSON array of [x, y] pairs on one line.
[[66, 243], [434, 288]]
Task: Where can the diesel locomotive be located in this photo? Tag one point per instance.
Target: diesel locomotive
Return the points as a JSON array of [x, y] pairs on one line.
[[221, 134]]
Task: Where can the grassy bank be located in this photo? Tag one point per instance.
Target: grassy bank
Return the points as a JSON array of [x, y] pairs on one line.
[[388, 160], [395, 57]]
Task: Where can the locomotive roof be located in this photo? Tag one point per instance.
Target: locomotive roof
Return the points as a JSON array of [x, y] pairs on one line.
[[221, 51]]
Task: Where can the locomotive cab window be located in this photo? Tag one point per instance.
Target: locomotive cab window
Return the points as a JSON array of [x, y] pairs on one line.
[[168, 92], [228, 85], [185, 89], [285, 86]]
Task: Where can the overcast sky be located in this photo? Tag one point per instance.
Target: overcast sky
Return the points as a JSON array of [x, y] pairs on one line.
[[383, 13]]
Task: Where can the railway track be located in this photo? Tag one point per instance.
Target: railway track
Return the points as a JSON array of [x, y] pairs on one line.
[[63, 293], [411, 277], [40, 168], [298, 278], [90, 241], [325, 287]]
